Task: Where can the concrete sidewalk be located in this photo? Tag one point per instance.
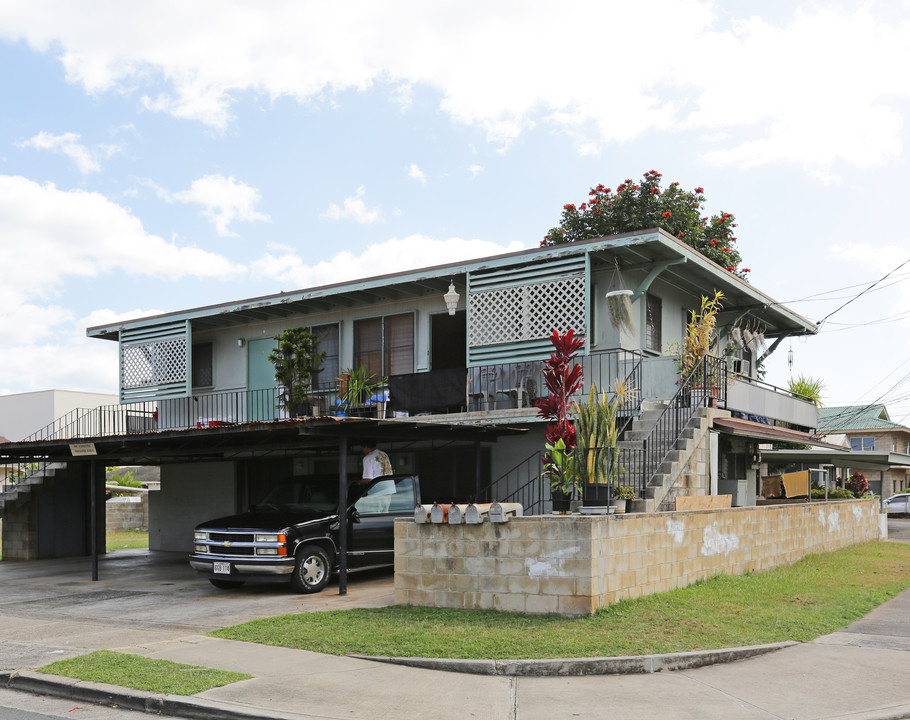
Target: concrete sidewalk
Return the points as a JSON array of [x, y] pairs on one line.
[[860, 673]]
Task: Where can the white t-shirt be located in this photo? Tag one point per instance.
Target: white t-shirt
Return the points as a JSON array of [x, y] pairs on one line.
[[376, 463]]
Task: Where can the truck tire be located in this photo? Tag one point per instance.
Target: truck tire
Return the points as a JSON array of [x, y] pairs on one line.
[[226, 584], [312, 569]]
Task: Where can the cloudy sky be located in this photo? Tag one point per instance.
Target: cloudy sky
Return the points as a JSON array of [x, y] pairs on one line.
[[157, 156]]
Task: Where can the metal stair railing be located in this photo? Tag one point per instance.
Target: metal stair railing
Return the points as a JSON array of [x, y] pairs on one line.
[[707, 383]]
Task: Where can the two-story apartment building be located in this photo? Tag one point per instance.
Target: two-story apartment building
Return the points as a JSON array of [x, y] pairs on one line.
[[461, 347]]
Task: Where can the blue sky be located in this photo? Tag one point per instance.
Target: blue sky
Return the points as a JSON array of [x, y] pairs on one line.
[[159, 156]]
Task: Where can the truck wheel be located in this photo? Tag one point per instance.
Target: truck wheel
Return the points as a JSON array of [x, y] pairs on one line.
[[312, 570], [226, 584]]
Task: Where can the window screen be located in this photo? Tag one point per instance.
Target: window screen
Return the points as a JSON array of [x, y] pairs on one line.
[[327, 335]]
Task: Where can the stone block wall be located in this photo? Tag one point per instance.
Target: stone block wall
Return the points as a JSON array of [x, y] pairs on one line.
[[575, 564], [128, 513]]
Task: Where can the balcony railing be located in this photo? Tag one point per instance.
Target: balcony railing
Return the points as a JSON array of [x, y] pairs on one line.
[[488, 388]]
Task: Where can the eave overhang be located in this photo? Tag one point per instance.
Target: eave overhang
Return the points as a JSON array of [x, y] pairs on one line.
[[644, 250]]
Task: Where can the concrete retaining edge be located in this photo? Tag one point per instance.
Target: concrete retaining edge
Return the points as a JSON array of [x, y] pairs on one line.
[[130, 699], [626, 665]]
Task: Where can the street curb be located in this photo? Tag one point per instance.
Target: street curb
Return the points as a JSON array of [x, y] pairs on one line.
[[140, 700], [626, 665]]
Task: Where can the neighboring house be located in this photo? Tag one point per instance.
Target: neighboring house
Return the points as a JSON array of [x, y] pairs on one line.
[[869, 432], [22, 414], [203, 403]]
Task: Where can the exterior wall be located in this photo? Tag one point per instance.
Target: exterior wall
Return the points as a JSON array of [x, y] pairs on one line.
[[128, 512], [230, 361], [25, 413], [189, 495], [574, 564]]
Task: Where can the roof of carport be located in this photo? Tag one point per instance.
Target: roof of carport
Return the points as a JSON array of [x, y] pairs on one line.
[[282, 437]]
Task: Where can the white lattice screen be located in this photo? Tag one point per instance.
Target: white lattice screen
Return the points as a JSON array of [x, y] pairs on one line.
[[527, 312], [155, 363]]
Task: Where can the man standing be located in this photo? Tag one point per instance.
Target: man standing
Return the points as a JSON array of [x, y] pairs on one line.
[[375, 462]]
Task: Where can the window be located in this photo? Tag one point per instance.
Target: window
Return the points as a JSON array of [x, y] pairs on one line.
[[203, 376], [654, 309], [327, 335], [862, 443], [385, 346]]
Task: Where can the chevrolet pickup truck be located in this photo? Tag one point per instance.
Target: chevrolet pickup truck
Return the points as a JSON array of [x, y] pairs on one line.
[[292, 534]]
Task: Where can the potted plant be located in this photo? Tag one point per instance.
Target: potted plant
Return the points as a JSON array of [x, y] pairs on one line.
[[700, 341], [621, 495], [560, 470], [296, 359], [356, 388], [562, 377], [597, 435]]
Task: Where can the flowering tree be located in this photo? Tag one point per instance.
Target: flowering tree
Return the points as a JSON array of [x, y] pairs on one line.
[[639, 206]]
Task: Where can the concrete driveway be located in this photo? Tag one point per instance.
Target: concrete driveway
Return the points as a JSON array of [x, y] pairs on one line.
[[50, 609]]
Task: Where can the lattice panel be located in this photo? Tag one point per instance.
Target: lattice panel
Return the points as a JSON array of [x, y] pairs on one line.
[[153, 363], [527, 312], [496, 316], [558, 304]]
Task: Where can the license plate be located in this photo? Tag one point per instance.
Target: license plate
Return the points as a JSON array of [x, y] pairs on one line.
[[222, 568]]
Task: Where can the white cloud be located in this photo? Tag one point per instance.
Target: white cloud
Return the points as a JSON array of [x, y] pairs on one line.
[[60, 235], [75, 233], [415, 173], [224, 200], [475, 170], [86, 159], [354, 208], [785, 90], [393, 255]]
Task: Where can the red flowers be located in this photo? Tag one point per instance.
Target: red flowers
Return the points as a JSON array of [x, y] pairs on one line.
[[747, 269], [667, 213], [731, 267], [570, 207], [700, 190]]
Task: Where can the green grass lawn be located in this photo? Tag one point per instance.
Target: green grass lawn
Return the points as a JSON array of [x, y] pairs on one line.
[[818, 595], [127, 540], [142, 673]]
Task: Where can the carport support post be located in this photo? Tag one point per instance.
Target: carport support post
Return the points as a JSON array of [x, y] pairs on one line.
[[93, 500], [343, 516]]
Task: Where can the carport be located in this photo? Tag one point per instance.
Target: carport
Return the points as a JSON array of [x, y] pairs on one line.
[[78, 517], [841, 459]]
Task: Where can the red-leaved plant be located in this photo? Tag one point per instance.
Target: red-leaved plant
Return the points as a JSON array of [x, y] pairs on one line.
[[563, 378]]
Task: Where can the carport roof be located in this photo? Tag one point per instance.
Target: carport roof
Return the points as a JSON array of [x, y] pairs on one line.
[[283, 437], [855, 460]]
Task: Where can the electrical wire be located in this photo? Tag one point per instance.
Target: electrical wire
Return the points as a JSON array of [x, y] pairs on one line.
[[859, 295]]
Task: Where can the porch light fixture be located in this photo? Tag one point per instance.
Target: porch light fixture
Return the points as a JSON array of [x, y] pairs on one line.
[[241, 342], [451, 298]]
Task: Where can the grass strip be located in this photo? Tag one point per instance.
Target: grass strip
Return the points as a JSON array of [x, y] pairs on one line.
[[142, 673], [127, 540], [818, 595]]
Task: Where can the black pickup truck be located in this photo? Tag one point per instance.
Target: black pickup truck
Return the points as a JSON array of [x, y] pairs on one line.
[[292, 534]]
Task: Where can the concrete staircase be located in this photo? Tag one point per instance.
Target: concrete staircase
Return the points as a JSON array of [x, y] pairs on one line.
[[676, 454], [13, 492]]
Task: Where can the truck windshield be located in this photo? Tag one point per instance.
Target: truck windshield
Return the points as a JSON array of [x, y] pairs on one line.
[[313, 493]]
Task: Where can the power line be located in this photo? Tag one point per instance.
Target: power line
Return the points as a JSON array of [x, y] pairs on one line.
[[822, 321]]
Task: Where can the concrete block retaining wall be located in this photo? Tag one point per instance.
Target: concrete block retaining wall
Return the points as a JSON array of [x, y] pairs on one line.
[[575, 564]]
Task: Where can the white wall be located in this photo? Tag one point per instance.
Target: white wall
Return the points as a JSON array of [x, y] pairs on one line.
[[189, 495], [23, 414]]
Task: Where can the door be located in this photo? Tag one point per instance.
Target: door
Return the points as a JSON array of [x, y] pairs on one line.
[[448, 341], [262, 399]]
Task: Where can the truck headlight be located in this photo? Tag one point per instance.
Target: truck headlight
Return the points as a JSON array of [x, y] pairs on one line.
[[270, 538], [266, 551], [200, 535], [201, 548]]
